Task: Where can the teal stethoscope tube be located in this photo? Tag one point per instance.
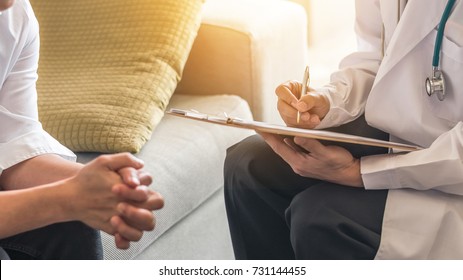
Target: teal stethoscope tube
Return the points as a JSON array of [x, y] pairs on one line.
[[436, 83], [440, 32]]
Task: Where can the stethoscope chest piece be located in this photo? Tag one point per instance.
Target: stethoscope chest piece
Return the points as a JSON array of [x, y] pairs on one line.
[[436, 84]]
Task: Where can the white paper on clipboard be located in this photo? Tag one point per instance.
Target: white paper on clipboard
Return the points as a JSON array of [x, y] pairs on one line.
[[289, 131]]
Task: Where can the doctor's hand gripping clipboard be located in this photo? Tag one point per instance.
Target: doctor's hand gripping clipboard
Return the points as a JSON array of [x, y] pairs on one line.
[[289, 131]]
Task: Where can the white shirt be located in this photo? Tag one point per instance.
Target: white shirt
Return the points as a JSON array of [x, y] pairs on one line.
[[424, 210], [21, 134]]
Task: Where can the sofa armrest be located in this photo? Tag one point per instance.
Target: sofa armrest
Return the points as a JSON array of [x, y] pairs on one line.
[[247, 48]]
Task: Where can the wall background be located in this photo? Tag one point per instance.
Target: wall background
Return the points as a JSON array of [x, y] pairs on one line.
[[331, 35]]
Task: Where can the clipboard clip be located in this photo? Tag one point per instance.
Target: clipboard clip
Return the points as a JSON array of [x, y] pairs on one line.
[[193, 114]]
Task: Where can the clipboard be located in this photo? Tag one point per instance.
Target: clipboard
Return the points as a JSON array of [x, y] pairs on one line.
[[289, 131]]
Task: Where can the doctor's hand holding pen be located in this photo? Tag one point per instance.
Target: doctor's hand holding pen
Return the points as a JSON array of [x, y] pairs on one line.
[[301, 107], [298, 108]]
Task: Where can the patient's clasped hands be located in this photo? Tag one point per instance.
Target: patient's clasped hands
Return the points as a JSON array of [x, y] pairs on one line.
[[113, 196]]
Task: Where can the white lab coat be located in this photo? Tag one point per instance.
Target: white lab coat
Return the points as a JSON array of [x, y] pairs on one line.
[[424, 210]]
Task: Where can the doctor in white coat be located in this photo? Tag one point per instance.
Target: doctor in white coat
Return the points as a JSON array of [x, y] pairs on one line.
[[422, 217]]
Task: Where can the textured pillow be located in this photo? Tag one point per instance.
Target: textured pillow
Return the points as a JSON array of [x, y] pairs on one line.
[[108, 68]]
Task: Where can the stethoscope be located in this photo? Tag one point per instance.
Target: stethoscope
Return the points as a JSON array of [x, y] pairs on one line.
[[436, 83]]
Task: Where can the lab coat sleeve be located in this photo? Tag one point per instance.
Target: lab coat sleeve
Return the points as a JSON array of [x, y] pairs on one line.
[[22, 136], [438, 167], [349, 87]]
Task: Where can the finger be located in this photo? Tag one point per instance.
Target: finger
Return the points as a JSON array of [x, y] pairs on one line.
[[126, 231], [288, 92], [144, 177], [306, 103], [278, 145], [311, 145], [314, 119], [118, 161], [310, 120], [108, 228], [129, 176], [135, 217], [315, 103], [155, 201], [294, 146], [121, 242], [287, 112], [125, 193]]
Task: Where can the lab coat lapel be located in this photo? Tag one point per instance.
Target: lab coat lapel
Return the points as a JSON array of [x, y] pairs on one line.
[[410, 31]]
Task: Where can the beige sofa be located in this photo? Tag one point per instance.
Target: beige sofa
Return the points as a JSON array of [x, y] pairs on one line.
[[243, 50]]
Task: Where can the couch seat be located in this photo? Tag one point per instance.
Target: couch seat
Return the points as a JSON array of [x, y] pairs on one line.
[[185, 158]]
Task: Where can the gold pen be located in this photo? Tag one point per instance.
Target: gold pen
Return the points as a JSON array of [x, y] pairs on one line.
[[305, 87]]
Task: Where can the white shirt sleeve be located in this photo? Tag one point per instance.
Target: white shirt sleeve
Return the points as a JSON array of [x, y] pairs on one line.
[[438, 167], [22, 136]]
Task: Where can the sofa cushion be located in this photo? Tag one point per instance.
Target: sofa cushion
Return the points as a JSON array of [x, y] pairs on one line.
[[108, 68], [185, 158]]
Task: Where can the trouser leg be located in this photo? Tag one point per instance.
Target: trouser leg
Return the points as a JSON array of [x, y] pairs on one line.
[[260, 186], [71, 240], [3, 254], [330, 221]]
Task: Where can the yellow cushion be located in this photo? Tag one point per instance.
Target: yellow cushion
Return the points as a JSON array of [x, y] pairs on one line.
[[108, 68]]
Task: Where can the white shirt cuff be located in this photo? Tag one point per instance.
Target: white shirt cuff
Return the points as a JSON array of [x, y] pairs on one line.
[[30, 145]]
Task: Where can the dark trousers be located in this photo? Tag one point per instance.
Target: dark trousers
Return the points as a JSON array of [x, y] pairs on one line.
[[274, 213], [62, 241]]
